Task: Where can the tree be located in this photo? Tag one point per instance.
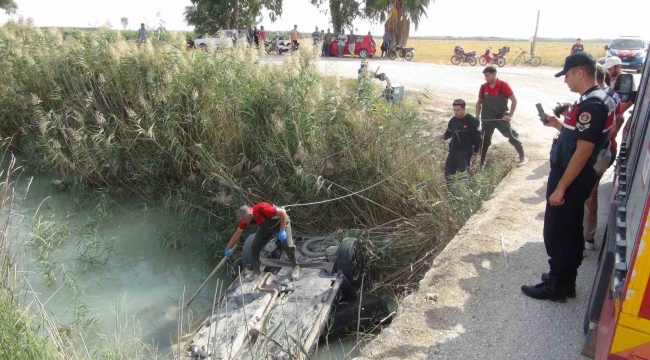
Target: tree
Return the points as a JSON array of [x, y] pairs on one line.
[[343, 13], [208, 16], [125, 22], [397, 16], [9, 6]]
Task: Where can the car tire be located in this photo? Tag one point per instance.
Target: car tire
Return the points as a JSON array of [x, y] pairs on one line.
[[363, 53], [350, 260], [247, 252]]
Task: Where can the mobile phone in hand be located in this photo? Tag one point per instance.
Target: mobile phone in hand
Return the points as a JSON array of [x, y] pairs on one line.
[[541, 113]]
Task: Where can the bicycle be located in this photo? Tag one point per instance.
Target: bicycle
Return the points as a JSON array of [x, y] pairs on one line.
[[533, 61]]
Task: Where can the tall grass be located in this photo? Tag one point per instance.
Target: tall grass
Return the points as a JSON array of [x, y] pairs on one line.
[[210, 131]]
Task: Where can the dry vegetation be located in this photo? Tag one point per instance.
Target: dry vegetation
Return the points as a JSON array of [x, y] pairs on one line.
[[552, 53]]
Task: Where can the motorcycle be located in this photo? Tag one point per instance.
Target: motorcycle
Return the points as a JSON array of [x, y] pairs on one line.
[[271, 46], [498, 58], [404, 53], [284, 46], [461, 56]]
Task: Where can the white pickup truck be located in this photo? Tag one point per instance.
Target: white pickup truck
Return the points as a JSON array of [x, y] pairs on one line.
[[223, 38]]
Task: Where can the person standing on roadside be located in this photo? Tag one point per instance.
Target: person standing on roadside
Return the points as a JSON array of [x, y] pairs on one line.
[[352, 43], [256, 36], [316, 36], [342, 39], [327, 43], [583, 134], [262, 34], [142, 34], [463, 130], [604, 159], [613, 66], [577, 46], [492, 109], [385, 45], [294, 37]]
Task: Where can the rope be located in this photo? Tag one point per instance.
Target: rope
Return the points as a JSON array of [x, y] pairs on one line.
[[362, 190]]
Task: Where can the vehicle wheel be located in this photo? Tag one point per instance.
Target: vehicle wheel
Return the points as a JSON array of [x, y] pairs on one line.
[[517, 60], [535, 61], [471, 61], [363, 53], [482, 61], [247, 252], [392, 54], [501, 62], [408, 56], [350, 260], [203, 47], [455, 60]]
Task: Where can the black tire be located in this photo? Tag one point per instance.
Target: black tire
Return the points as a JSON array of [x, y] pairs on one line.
[[247, 252], [471, 60], [409, 55], [203, 47], [392, 54], [350, 260], [455, 60], [517, 60], [535, 61], [363, 53], [501, 62], [482, 61]]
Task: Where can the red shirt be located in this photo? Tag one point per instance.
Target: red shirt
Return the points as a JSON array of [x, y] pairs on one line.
[[500, 85], [261, 212]]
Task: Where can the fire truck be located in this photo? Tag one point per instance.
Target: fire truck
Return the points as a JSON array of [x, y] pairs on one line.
[[617, 321]]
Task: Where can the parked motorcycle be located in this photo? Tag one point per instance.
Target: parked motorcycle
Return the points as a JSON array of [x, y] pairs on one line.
[[404, 53], [461, 56], [271, 46], [284, 45], [498, 58]]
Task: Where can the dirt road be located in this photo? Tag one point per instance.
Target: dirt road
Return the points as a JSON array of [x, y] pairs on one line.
[[469, 305]]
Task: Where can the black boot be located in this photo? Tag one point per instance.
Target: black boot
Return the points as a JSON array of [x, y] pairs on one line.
[[569, 288], [546, 290]]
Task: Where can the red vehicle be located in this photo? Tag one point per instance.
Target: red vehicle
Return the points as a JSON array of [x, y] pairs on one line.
[[365, 47], [498, 58], [461, 56]]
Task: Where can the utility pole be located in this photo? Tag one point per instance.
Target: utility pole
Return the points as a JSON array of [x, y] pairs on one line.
[[532, 46]]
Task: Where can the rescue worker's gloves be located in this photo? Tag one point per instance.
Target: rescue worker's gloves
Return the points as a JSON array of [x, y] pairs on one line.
[[282, 236], [227, 253]]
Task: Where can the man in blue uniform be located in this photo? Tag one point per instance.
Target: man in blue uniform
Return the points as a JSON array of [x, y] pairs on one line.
[[583, 133]]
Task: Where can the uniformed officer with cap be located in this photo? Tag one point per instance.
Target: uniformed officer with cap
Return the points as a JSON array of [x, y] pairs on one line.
[[583, 133]]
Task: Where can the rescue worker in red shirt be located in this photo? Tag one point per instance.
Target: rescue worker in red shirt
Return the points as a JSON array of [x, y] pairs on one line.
[[269, 219], [583, 134], [492, 110]]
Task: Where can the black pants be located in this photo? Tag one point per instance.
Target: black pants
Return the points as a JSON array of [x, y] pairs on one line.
[[457, 162], [264, 232], [563, 236], [506, 130]]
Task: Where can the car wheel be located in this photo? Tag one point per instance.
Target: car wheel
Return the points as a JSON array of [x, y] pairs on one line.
[[363, 53], [247, 252], [350, 260]]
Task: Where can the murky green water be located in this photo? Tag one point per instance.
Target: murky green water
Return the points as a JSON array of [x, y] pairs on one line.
[[112, 270]]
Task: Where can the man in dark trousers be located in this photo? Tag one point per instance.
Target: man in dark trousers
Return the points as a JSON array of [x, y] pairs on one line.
[[583, 134], [492, 108], [577, 47], [463, 130], [269, 219]]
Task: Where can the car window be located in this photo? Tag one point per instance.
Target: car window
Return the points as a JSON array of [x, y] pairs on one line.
[[360, 38], [627, 44]]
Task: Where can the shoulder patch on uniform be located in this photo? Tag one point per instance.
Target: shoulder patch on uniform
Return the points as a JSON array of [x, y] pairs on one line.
[[585, 117]]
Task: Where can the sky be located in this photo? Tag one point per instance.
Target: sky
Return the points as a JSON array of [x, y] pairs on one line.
[[559, 18]]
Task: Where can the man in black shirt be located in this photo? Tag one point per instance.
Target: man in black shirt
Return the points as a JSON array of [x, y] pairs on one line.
[[463, 130], [577, 47], [584, 131]]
